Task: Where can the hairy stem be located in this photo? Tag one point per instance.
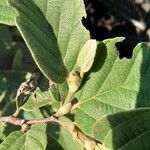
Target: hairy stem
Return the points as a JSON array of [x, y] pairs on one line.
[[16, 112], [19, 122], [68, 98]]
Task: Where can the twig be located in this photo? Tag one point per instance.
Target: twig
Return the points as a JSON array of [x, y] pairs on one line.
[[68, 98], [70, 126], [20, 122]]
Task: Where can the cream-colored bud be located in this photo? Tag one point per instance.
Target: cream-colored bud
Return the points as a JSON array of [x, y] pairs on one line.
[[74, 81], [64, 109]]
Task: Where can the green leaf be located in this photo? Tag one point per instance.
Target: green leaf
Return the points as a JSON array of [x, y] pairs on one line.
[[11, 141], [124, 130], [57, 136], [6, 52], [17, 61], [40, 97], [70, 33], [55, 95], [35, 137], [2, 135], [7, 110], [114, 84], [12, 86], [40, 39], [5, 38], [65, 19], [86, 56], [27, 61], [7, 13], [61, 139], [3, 87]]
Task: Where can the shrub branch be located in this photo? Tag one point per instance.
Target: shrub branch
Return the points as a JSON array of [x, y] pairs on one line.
[[20, 122]]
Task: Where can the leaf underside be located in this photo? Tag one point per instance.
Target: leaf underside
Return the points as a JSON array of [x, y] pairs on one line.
[[51, 34], [40, 39], [35, 137]]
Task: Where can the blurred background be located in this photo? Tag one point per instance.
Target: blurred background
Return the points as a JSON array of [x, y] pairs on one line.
[[111, 18]]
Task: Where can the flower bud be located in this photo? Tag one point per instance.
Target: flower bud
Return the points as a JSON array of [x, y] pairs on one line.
[[74, 81]]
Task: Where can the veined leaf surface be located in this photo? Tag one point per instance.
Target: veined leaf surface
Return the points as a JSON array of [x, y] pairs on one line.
[[114, 84]]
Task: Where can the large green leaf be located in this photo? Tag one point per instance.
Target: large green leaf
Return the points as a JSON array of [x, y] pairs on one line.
[[35, 137], [60, 139], [65, 18], [7, 13], [114, 84], [11, 141], [40, 39], [125, 130], [37, 20]]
